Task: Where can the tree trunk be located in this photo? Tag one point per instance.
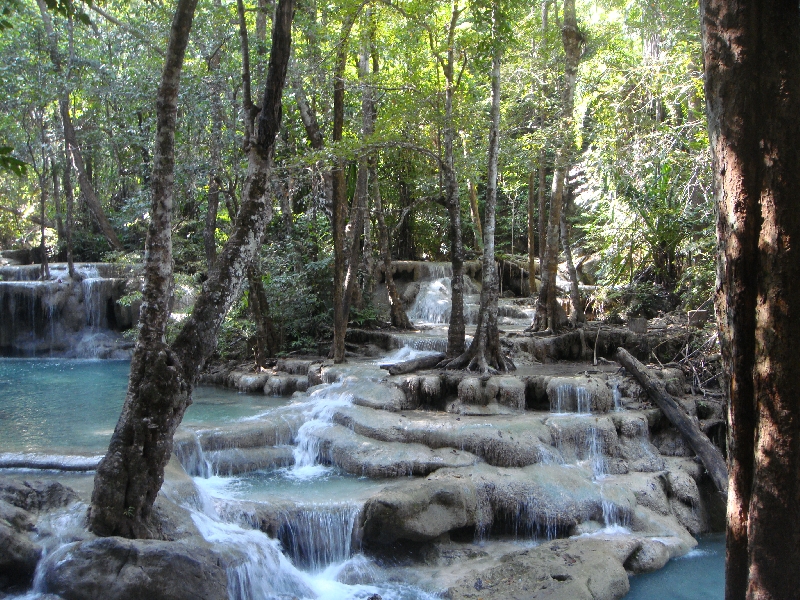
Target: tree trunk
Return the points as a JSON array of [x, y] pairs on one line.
[[215, 146], [485, 354], [542, 212], [163, 376], [456, 331], [398, 313], [83, 178], [577, 315], [531, 238], [546, 317], [752, 53], [711, 456], [70, 201], [340, 308], [69, 136], [266, 345]]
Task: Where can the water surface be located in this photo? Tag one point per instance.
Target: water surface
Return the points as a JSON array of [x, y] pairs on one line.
[[700, 575], [63, 406]]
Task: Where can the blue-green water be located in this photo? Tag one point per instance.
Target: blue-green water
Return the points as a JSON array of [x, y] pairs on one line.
[[700, 575], [71, 406]]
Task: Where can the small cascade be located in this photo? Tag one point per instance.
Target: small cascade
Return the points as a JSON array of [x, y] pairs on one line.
[[193, 459], [61, 316], [433, 302], [261, 570], [569, 395], [324, 403], [616, 394], [319, 535]]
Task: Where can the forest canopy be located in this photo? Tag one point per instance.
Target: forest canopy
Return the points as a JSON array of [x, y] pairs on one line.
[[637, 189]]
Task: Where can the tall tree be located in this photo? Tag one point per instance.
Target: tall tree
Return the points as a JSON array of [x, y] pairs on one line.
[[72, 140], [484, 353], [546, 316], [163, 375], [752, 57]]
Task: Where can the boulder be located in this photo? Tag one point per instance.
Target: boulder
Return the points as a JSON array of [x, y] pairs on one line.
[[134, 569], [248, 382], [18, 557], [503, 441], [36, 496], [545, 500], [508, 391], [588, 438], [363, 456], [293, 366], [285, 385], [634, 442], [578, 569], [651, 556]]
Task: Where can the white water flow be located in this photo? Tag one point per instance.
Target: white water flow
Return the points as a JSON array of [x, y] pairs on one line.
[[323, 405], [564, 396], [434, 299]]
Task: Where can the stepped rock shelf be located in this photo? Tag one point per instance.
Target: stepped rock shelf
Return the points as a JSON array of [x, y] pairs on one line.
[[557, 481]]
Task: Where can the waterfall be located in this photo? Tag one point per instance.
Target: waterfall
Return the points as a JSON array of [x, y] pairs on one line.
[[262, 570], [307, 451], [61, 316], [316, 536]]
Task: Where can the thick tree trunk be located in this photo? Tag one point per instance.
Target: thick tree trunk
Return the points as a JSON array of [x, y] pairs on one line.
[[485, 354], [162, 376], [752, 56], [577, 315], [546, 317], [711, 456]]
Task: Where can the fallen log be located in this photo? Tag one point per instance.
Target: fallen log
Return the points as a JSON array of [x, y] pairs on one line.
[[424, 362], [711, 456]]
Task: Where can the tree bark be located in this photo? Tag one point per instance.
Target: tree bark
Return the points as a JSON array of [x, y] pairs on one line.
[[531, 234], [408, 366], [71, 139], [577, 315], [163, 376], [711, 456], [215, 146], [70, 201], [456, 330], [266, 345], [542, 212], [752, 53], [546, 316], [398, 314], [340, 315], [485, 354]]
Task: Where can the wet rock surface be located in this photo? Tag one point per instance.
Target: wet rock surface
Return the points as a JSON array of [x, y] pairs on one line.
[[135, 569]]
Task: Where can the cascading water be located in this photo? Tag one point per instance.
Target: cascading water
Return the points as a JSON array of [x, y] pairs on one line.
[[62, 316], [563, 399], [319, 535], [324, 403]]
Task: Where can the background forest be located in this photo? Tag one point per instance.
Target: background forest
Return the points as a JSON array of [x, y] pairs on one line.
[[78, 120]]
